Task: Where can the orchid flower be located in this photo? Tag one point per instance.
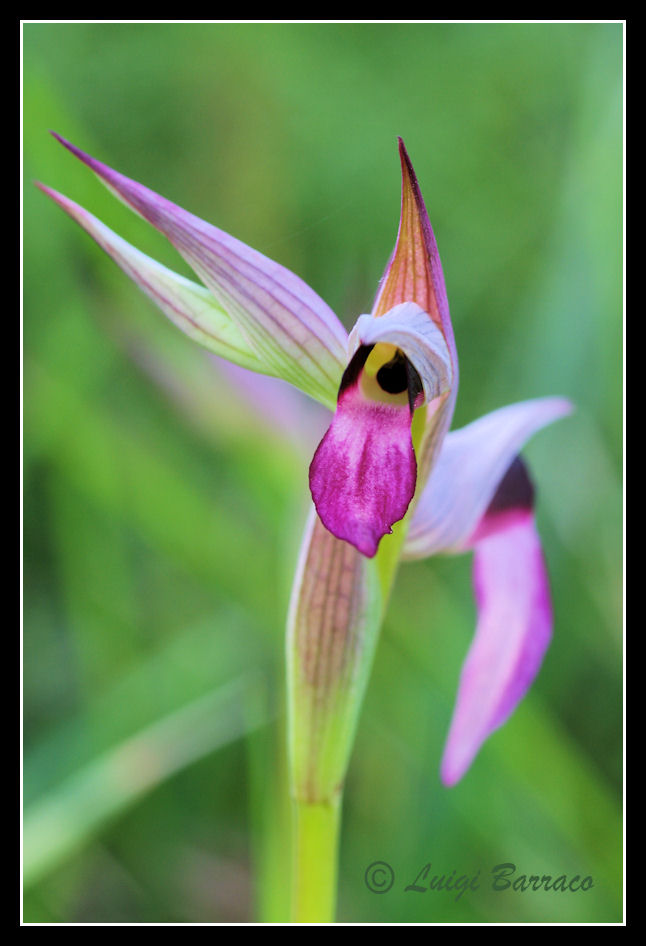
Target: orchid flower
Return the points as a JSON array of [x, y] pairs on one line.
[[388, 480]]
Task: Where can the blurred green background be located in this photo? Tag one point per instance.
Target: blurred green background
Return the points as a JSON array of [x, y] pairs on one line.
[[163, 508]]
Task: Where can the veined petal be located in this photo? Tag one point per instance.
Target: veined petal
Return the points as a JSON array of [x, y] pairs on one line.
[[464, 479], [514, 622], [190, 306], [291, 329], [409, 328]]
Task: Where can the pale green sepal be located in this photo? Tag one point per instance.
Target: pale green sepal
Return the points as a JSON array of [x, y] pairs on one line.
[[189, 305], [335, 613]]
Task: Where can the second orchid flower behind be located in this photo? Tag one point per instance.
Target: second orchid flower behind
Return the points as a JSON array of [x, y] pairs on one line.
[[387, 460]]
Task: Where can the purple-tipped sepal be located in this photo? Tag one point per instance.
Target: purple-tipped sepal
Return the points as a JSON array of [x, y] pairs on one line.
[[514, 622]]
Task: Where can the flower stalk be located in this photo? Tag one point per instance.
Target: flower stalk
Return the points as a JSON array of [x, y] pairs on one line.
[[316, 830], [332, 633]]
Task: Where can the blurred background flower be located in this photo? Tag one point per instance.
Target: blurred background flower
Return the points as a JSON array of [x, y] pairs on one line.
[[162, 521]]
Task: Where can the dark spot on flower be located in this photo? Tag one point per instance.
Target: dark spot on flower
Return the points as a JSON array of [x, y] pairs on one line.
[[392, 377], [414, 385], [354, 369], [397, 376], [515, 490]]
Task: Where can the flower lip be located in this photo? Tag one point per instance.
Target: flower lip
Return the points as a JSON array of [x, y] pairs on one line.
[[363, 473]]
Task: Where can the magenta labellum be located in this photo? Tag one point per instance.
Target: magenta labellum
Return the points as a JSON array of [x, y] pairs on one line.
[[363, 473]]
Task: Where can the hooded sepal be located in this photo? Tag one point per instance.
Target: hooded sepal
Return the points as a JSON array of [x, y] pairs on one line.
[[414, 272], [408, 327]]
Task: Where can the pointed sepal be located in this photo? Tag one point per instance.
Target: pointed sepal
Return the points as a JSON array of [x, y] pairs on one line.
[[468, 471], [292, 331], [414, 272], [190, 306]]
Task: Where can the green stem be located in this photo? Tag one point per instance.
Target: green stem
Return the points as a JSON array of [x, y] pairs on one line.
[[314, 876]]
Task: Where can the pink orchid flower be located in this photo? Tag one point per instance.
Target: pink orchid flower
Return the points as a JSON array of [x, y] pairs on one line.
[[388, 454]]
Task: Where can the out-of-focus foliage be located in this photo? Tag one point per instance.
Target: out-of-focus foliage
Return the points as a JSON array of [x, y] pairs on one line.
[[162, 513]]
